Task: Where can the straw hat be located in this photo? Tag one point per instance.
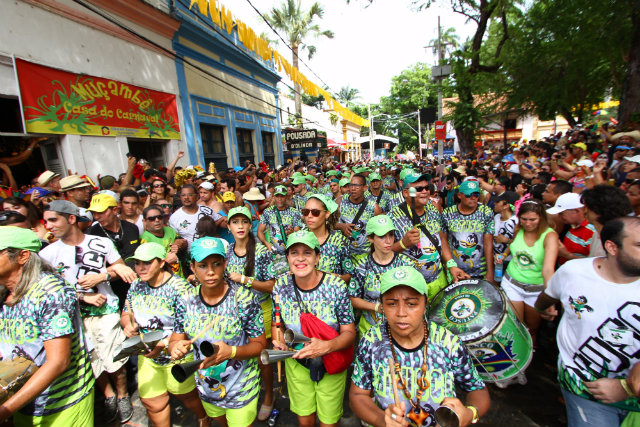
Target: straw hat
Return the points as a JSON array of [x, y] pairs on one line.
[[253, 194]]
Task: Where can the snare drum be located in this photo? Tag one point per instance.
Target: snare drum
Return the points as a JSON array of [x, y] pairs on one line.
[[482, 316]]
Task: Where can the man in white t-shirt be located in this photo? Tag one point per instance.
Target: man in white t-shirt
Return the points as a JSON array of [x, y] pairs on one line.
[[89, 262], [599, 333], [184, 220]]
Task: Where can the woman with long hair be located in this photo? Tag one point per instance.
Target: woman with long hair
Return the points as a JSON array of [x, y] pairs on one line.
[[534, 249], [320, 214], [151, 305], [427, 360], [249, 264], [229, 317], [313, 392], [158, 191], [28, 209], [364, 287]]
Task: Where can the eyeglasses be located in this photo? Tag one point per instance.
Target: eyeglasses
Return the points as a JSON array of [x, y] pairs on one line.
[[155, 218], [165, 206], [314, 212], [158, 185], [356, 185]]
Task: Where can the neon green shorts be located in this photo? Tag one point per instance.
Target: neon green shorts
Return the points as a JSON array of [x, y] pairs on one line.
[[78, 415], [267, 308], [155, 380], [239, 417], [309, 397]]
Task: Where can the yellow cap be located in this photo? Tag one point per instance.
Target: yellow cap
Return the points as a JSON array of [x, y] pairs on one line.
[[102, 202], [228, 196]]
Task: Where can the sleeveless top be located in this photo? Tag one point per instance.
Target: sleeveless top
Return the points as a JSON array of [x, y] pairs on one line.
[[526, 265]]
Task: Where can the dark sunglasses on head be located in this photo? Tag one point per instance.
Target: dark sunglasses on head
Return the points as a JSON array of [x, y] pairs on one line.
[[314, 212], [155, 218]]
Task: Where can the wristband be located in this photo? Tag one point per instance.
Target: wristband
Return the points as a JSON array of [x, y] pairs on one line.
[[242, 280], [234, 349], [377, 308], [250, 281], [625, 386], [165, 341], [475, 414], [402, 245], [107, 277], [452, 263]]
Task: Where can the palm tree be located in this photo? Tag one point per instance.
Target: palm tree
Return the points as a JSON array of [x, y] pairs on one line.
[[449, 40], [298, 25], [348, 95]]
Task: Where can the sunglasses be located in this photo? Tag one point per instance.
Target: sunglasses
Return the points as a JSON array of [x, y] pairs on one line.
[[631, 180], [165, 206], [474, 195], [314, 212], [155, 218], [158, 185], [421, 188]]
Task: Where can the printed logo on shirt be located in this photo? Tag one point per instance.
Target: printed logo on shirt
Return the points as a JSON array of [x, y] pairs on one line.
[[184, 224], [579, 305], [525, 260]]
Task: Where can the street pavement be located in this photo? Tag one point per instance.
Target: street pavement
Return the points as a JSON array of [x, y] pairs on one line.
[[537, 404]]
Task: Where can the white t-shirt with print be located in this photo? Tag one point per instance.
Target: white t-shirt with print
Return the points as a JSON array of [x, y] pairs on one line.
[[599, 333], [93, 255], [185, 223], [505, 228]]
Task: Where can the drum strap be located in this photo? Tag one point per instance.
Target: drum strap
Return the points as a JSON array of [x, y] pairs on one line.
[[405, 208]]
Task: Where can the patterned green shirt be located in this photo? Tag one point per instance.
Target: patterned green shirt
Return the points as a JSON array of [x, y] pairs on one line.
[[348, 211], [154, 308], [365, 282], [466, 237], [334, 254], [47, 311], [290, 217], [238, 316], [385, 199], [448, 365], [263, 269], [425, 255]]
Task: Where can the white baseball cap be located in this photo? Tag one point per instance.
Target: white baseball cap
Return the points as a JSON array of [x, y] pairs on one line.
[[514, 169], [565, 202], [635, 159], [207, 186]]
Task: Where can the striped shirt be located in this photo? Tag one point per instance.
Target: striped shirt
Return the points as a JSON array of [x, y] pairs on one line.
[[578, 240]]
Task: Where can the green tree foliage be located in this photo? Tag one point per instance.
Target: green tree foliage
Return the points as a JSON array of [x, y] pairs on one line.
[[299, 25], [347, 96], [563, 56]]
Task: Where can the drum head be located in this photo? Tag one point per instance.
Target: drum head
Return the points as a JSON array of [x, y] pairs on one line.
[[470, 309]]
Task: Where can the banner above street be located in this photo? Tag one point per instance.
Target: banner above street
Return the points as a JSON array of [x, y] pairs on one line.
[[56, 101]]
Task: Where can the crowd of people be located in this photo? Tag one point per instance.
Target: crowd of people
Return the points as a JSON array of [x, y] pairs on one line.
[[355, 257]]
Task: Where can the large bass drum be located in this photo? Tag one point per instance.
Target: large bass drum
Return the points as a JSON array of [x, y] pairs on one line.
[[482, 316]]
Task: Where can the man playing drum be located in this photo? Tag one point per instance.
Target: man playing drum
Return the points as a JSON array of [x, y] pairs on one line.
[[420, 350]]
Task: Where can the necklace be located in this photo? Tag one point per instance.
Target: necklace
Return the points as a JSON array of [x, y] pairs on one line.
[[417, 414]]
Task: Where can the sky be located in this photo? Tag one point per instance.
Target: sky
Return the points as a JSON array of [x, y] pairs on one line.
[[373, 41]]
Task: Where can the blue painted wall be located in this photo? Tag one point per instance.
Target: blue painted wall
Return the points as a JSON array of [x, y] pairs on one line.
[[197, 110]]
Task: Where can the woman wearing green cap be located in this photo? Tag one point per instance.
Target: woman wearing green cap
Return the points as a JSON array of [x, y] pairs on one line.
[[41, 323], [364, 287], [426, 360], [320, 214], [151, 305], [249, 264], [228, 316], [313, 392]]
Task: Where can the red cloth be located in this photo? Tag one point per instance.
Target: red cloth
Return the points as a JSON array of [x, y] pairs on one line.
[[335, 362], [578, 240]]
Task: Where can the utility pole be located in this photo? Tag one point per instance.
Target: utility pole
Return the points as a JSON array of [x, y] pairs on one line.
[[419, 135], [371, 142]]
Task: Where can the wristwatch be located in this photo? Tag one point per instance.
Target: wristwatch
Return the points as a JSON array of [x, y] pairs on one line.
[[107, 277], [475, 414]]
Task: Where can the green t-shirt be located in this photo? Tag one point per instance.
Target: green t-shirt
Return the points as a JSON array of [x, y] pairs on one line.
[[47, 311], [166, 241]]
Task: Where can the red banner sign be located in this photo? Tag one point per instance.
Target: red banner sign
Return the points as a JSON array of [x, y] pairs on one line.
[[56, 101], [441, 130]]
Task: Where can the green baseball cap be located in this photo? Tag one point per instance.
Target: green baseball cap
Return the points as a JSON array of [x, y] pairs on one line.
[[305, 237], [239, 210], [311, 178], [361, 170], [469, 187], [148, 252], [206, 246], [403, 276], [19, 238], [375, 177], [299, 180], [333, 172], [344, 181], [296, 174], [405, 172], [328, 203], [380, 225], [414, 177], [280, 189]]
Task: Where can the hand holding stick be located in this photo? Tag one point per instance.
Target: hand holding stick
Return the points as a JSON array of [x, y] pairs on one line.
[[278, 338]]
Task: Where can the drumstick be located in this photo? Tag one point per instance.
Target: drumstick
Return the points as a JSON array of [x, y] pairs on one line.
[[394, 382], [278, 332], [203, 330]]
